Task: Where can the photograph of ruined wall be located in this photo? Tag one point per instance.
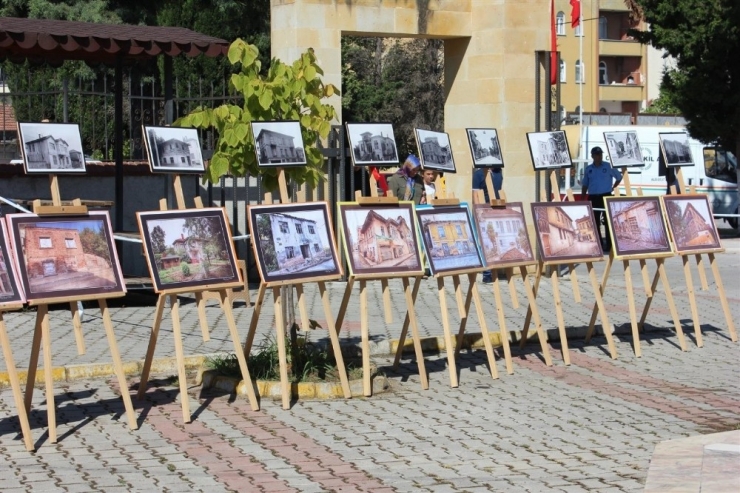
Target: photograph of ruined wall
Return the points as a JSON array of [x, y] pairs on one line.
[[502, 232], [566, 231], [380, 239], [448, 238], [51, 147], [10, 294], [435, 150], [65, 256], [637, 226], [372, 144], [691, 223]]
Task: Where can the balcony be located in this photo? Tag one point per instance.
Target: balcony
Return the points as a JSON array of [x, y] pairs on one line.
[[614, 47], [621, 92]]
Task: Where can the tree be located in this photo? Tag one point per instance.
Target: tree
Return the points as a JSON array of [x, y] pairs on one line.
[[95, 243], [158, 240], [264, 231]]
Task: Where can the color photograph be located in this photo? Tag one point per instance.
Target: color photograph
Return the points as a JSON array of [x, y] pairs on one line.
[[624, 149], [549, 150], [637, 226], [279, 144], [188, 248], [380, 239], [435, 150], [566, 231], [676, 149], [448, 238], [502, 232], [66, 256], [691, 223], [173, 150], [485, 148], [51, 148], [10, 293], [293, 241], [372, 144]]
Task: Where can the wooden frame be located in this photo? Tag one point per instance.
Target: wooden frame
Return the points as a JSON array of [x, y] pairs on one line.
[[487, 159], [637, 227], [63, 137], [691, 224], [360, 148], [427, 152], [448, 237], [676, 149], [566, 232], [624, 149], [185, 154], [549, 150], [276, 152]]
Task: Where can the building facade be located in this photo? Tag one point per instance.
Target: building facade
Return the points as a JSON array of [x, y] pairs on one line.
[[640, 221], [448, 238], [585, 229], [48, 152], [375, 148], [555, 229], [432, 152], [191, 247], [52, 251], [174, 153], [274, 147], [296, 240], [501, 233], [380, 239]]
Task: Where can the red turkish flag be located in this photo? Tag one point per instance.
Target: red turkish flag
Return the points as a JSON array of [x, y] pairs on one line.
[[575, 13]]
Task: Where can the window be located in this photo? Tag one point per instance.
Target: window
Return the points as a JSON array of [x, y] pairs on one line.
[[560, 24], [580, 72], [603, 31], [720, 164], [459, 230], [578, 30], [316, 247], [603, 76], [289, 252], [299, 228], [311, 229], [70, 243], [441, 232], [563, 71], [182, 159], [283, 226], [44, 242]]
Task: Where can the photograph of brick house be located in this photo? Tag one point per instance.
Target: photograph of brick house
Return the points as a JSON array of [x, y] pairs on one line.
[[691, 223], [10, 294], [502, 232], [566, 231], [676, 149], [448, 238], [637, 226], [485, 147], [435, 150], [51, 148], [372, 144], [174, 150], [279, 143]]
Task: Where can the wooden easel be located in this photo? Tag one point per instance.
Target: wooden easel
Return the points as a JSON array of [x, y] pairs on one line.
[[285, 386], [542, 265]]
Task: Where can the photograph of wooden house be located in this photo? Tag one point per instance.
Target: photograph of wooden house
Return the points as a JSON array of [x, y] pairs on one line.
[[372, 144], [691, 223], [676, 149], [173, 150], [485, 147], [566, 231], [502, 233], [188, 248], [51, 148], [294, 241], [435, 150], [279, 144], [624, 149], [549, 150], [381, 239], [10, 292], [448, 238], [66, 256], [637, 226]]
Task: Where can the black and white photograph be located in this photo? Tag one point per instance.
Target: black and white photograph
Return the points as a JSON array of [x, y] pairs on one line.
[[624, 149], [485, 148], [566, 231], [279, 144], [435, 150], [676, 149], [637, 226], [372, 144], [502, 233], [294, 241], [174, 150], [448, 238], [10, 292], [691, 223], [51, 148], [549, 150]]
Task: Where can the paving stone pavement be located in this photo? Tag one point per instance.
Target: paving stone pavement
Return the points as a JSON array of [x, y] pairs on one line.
[[591, 426]]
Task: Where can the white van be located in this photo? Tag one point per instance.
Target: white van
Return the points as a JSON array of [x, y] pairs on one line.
[[714, 172]]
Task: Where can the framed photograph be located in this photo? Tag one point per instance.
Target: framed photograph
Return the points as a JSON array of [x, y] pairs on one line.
[[566, 231], [676, 149], [502, 234], [448, 237], [435, 150], [279, 144], [637, 226], [549, 150], [485, 148], [189, 248], [11, 294], [51, 148], [173, 150], [624, 149], [294, 241], [691, 223], [380, 239], [372, 144], [66, 257]]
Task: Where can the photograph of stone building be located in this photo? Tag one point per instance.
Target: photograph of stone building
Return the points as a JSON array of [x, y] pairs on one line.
[[372, 144], [435, 150], [502, 232], [549, 150], [676, 149], [51, 147], [691, 223], [637, 226], [448, 238], [174, 150], [566, 231], [485, 147], [624, 149], [279, 143]]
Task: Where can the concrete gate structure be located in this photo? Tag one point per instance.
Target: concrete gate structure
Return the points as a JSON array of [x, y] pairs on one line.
[[489, 48]]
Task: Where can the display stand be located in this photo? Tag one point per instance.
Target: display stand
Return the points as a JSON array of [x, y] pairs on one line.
[[171, 296], [542, 265], [285, 387], [15, 385]]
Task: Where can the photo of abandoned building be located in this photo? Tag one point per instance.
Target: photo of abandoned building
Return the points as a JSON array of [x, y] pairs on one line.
[[51, 147], [435, 150], [691, 223], [278, 143], [566, 231], [503, 234], [676, 149], [637, 225], [174, 150]]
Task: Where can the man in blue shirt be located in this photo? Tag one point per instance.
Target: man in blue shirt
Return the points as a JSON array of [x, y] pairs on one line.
[[599, 181]]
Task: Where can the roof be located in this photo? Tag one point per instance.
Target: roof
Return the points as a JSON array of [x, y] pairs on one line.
[[54, 41]]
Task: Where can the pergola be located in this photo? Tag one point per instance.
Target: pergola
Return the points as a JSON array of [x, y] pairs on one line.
[[116, 45]]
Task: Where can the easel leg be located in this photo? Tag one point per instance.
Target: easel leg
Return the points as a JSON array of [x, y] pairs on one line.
[[335, 342], [723, 298], [365, 340], [502, 326], [302, 310], [229, 313], [177, 335], [201, 304], [602, 311], [631, 304], [649, 290], [255, 318], [345, 302], [650, 296], [702, 273], [464, 319], [411, 312], [33, 362], [159, 311], [446, 326], [574, 282], [532, 300], [671, 304], [559, 314], [282, 356], [406, 321], [77, 324], [387, 306], [512, 287], [117, 365], [602, 288], [692, 300], [473, 290], [458, 296], [48, 372], [15, 386], [528, 317]]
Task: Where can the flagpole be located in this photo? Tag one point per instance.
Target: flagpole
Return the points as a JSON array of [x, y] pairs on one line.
[[581, 71]]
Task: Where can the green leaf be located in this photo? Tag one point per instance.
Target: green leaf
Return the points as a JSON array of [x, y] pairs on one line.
[[306, 121], [266, 99], [324, 129], [310, 72], [235, 51], [241, 130]]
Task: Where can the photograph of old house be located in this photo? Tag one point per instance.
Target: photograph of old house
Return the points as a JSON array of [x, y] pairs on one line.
[[448, 238], [66, 256], [188, 248], [372, 144], [10, 292], [676, 149], [380, 239], [624, 149], [279, 144], [485, 147], [293, 241], [502, 233], [51, 148], [566, 231], [173, 150], [637, 226], [549, 150], [435, 150], [691, 223]]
